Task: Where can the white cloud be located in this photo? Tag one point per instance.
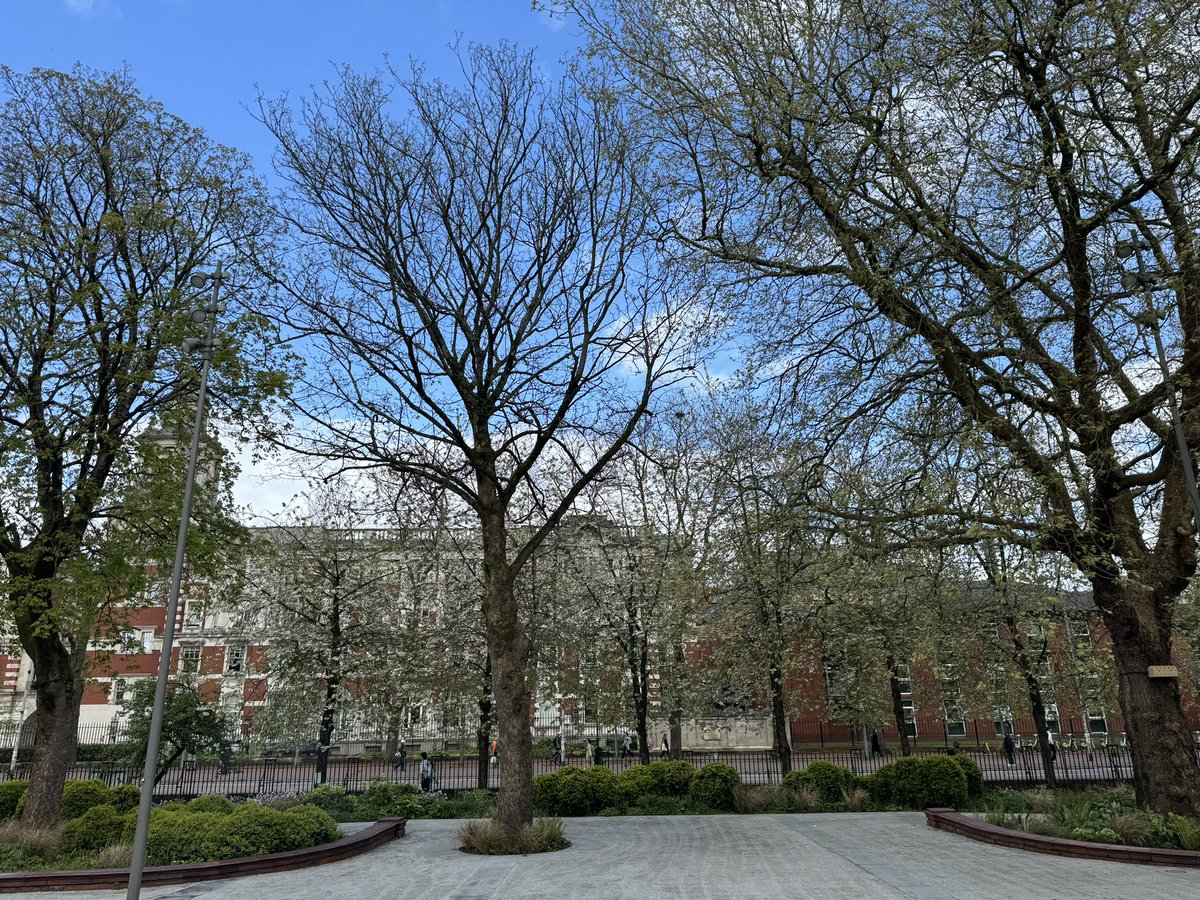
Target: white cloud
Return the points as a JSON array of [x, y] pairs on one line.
[[82, 7]]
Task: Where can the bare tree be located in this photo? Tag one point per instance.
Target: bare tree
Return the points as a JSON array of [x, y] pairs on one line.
[[943, 186], [481, 299]]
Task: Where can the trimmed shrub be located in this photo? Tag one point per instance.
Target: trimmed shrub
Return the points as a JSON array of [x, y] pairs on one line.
[[575, 792], [11, 793], [671, 777], [333, 800], [96, 829], [254, 830], [126, 797], [383, 798], [80, 796], [321, 829], [214, 804], [177, 836], [829, 780], [920, 783], [973, 773], [633, 784], [714, 785]]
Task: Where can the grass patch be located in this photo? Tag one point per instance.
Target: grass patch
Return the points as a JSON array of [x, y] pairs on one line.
[[487, 837]]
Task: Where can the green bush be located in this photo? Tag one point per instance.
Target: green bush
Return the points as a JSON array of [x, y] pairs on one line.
[[11, 794], [714, 786], [80, 796], [915, 783], [215, 804], [476, 804], [335, 801], [383, 798], [1186, 831], [254, 830], [935, 781], [973, 773], [633, 784], [671, 778], [96, 829], [575, 792], [177, 836], [319, 825], [126, 797], [829, 780]]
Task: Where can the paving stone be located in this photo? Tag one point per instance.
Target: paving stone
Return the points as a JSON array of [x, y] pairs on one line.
[[836, 856]]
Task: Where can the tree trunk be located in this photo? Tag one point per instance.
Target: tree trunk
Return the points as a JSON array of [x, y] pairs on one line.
[[325, 736], [1165, 774], [676, 724], [898, 708], [779, 721], [483, 731], [642, 707], [391, 742], [780, 740], [58, 684], [1037, 703], [509, 652]]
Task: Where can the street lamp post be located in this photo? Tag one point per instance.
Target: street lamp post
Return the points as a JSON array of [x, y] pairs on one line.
[[1147, 281], [208, 315]]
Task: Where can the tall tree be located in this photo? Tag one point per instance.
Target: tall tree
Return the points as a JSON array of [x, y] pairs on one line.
[[942, 185], [108, 204], [482, 300]]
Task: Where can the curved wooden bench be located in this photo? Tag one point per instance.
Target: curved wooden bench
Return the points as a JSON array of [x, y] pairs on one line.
[[363, 841], [979, 830]]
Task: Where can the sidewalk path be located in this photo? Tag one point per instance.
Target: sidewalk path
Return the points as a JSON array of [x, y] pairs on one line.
[[839, 856]]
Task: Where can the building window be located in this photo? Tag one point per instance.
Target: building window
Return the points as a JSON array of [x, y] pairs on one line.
[[1052, 723], [1081, 631], [189, 660], [1036, 631], [903, 676], [956, 721], [194, 616], [910, 717], [1003, 720], [146, 639], [235, 659], [1096, 721], [120, 691]]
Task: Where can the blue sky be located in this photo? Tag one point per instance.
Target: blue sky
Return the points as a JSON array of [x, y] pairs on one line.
[[204, 58]]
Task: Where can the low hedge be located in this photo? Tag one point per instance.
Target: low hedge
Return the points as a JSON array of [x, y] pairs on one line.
[[830, 781], [973, 773], [80, 796], [915, 783], [11, 794], [99, 827], [714, 785], [575, 792], [671, 778], [180, 835]]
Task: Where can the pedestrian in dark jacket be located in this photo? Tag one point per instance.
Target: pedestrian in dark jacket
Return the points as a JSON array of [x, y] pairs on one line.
[[1009, 747]]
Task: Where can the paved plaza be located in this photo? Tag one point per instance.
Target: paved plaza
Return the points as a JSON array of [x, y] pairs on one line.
[[840, 856]]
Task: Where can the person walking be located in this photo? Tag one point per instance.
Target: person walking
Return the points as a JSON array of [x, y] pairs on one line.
[[558, 750], [425, 773], [626, 745], [588, 751], [666, 747], [1009, 749], [401, 757], [876, 749]]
